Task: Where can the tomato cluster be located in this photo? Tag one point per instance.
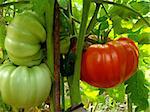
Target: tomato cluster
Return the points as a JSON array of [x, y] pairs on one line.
[[107, 65], [27, 84]]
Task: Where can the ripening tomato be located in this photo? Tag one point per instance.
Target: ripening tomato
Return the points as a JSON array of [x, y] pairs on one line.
[[107, 65], [24, 87]]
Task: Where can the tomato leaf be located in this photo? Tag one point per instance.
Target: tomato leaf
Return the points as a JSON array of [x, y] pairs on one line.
[[117, 25], [134, 35], [142, 7], [39, 6], [145, 38], [118, 93], [140, 23], [122, 13], [138, 90], [63, 3], [101, 19]]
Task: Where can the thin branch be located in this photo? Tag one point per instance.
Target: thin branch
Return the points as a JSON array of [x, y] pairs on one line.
[[106, 11], [13, 3], [72, 26], [57, 58], [129, 103], [75, 20], [93, 20], [124, 6]]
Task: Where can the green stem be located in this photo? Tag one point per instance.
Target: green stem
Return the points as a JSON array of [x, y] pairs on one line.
[[13, 3], [98, 35], [93, 20], [72, 30], [50, 57], [75, 20], [75, 85], [129, 104], [105, 11], [124, 6], [63, 95]]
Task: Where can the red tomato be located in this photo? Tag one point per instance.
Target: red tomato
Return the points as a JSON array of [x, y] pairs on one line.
[[107, 65]]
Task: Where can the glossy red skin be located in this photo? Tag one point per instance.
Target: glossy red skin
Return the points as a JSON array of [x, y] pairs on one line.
[[110, 64]]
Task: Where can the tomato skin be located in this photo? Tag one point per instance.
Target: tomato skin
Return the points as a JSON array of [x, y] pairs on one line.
[[24, 35], [64, 45], [24, 87], [107, 65]]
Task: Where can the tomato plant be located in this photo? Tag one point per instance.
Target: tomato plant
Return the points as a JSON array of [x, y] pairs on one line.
[[107, 65], [24, 87], [56, 32]]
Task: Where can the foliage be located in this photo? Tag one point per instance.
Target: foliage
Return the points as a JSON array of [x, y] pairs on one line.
[[136, 86], [112, 20]]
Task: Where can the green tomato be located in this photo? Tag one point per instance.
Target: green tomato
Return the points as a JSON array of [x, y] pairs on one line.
[[24, 87], [30, 61], [24, 35], [64, 45]]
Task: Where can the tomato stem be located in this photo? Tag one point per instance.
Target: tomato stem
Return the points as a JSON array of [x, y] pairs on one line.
[[93, 19], [74, 80], [72, 26], [129, 103], [63, 94], [57, 58], [49, 14]]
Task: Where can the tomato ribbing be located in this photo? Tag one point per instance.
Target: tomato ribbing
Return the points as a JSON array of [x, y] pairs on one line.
[[110, 64]]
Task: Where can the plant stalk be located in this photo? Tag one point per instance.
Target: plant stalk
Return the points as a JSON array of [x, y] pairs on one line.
[[93, 20], [57, 58], [129, 102], [74, 81], [63, 94], [49, 15]]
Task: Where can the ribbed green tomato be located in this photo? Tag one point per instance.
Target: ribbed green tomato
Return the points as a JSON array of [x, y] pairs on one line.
[[64, 45], [24, 35], [24, 87]]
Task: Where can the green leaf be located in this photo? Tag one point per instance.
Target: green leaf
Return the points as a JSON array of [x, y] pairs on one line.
[[125, 1], [102, 19], [89, 91], [142, 7], [77, 8], [104, 25], [137, 90], [122, 12], [117, 25], [39, 6], [145, 38], [117, 93], [134, 35], [102, 11], [140, 23], [63, 3], [64, 25], [1, 1]]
